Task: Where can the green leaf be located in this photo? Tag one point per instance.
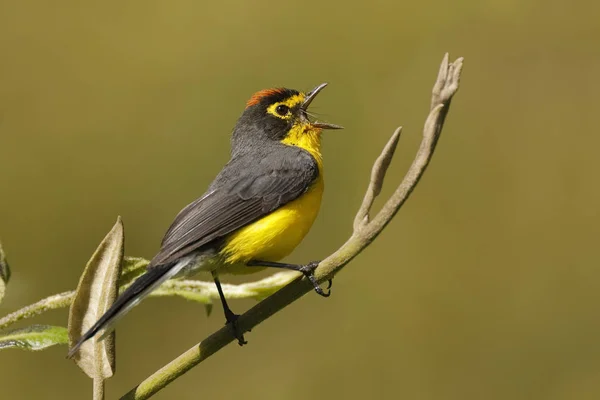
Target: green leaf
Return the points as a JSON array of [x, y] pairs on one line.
[[131, 268], [188, 289], [4, 273], [204, 292], [33, 338], [96, 292]]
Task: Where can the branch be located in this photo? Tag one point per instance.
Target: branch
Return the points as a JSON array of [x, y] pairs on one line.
[[364, 233], [377, 175]]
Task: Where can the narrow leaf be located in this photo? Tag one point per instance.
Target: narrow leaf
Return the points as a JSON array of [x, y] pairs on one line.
[[96, 292], [181, 289], [4, 273], [131, 268], [33, 338]]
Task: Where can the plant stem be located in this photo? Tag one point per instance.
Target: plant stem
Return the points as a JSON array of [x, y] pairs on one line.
[[365, 232], [98, 388], [60, 300]]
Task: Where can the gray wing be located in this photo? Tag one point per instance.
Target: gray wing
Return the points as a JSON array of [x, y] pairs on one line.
[[246, 190]]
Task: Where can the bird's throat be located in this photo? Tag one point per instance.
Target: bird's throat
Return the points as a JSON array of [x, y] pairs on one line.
[[308, 138]]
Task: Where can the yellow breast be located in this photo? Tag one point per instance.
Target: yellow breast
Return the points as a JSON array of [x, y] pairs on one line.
[[275, 236]]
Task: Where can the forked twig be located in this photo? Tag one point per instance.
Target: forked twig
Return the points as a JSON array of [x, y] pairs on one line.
[[365, 231]]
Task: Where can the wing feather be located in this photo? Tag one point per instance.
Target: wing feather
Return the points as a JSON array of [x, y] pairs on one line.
[[245, 191]]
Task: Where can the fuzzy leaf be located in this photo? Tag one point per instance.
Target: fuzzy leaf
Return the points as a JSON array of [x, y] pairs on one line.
[[96, 292], [4, 273], [183, 289], [33, 338], [131, 268], [204, 292]]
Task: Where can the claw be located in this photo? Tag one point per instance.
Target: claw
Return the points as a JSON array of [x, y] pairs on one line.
[[309, 271], [232, 322]]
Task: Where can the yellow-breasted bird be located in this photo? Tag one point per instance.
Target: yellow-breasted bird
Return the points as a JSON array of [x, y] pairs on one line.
[[256, 211]]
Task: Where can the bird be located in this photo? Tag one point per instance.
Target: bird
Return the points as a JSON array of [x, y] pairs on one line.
[[255, 212]]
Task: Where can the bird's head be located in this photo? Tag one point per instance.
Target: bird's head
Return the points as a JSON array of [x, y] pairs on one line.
[[280, 115]]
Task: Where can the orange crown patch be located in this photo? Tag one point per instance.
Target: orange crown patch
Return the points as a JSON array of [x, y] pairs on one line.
[[256, 97]]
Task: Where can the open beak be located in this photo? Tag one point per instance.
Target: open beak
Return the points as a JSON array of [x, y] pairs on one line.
[[310, 96]]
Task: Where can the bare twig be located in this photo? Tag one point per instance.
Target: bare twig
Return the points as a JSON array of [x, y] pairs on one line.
[[377, 175], [364, 233]]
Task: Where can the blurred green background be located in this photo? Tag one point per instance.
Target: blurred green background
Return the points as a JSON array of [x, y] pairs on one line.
[[485, 286]]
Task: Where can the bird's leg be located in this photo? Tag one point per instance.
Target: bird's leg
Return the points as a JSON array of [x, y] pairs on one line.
[[230, 317], [308, 270]]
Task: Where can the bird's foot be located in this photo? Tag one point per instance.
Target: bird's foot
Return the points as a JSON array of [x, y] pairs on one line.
[[309, 271], [232, 322]]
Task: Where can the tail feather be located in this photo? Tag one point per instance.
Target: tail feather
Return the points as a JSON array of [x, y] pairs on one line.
[[139, 289]]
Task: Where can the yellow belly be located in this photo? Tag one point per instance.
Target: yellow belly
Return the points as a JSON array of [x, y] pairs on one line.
[[275, 236]]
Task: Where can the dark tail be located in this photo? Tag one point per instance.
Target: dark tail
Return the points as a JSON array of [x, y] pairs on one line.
[[139, 289]]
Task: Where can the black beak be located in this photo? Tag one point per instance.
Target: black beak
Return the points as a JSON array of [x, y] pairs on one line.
[[310, 96]]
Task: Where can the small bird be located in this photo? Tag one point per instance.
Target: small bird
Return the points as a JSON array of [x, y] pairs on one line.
[[256, 211]]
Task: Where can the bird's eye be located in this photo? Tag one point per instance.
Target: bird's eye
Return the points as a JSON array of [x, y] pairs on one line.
[[282, 110]]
